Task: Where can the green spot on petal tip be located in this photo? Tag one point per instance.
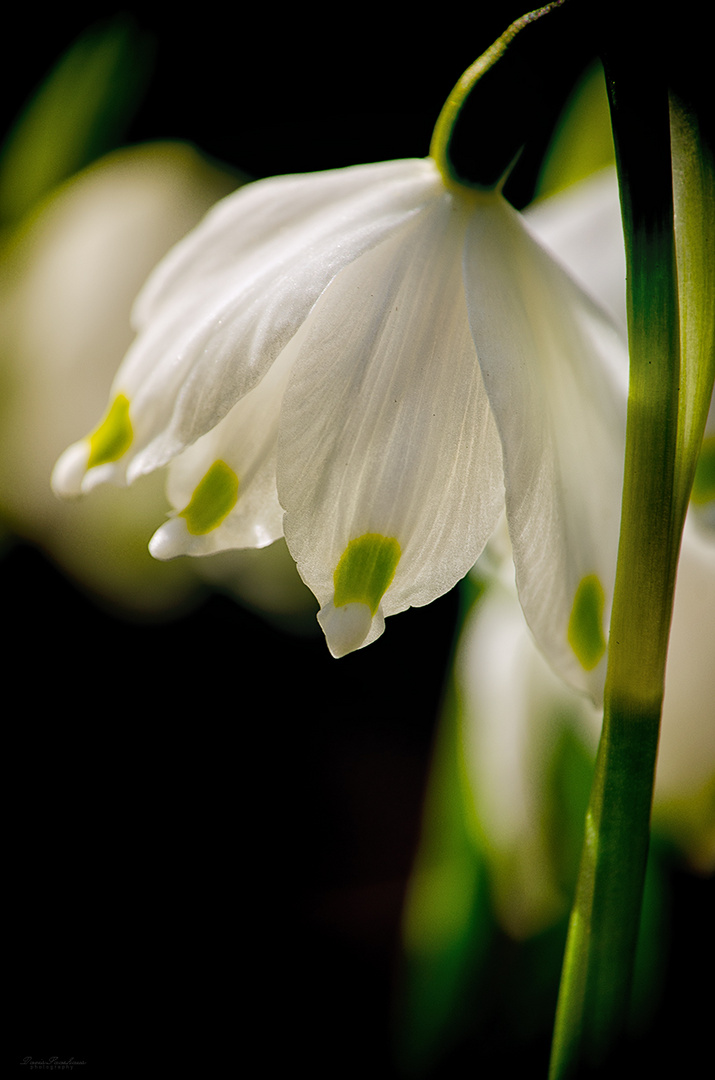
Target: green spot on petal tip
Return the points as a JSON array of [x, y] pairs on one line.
[[585, 632], [114, 435], [365, 571], [213, 499]]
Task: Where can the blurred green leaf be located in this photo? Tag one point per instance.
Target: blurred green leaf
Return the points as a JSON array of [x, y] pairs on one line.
[[583, 141], [75, 116], [653, 945], [448, 922], [566, 793]]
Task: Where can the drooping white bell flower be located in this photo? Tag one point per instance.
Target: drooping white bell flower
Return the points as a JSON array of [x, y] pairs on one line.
[[375, 362]]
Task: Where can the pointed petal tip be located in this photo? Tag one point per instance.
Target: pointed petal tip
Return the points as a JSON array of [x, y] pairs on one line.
[[170, 540], [71, 478], [69, 473], [348, 627]]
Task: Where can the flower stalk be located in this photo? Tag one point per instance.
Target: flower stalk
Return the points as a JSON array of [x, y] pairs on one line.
[[668, 401], [527, 39]]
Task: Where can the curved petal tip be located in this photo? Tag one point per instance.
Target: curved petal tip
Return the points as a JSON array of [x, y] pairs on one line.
[[170, 540], [70, 470], [349, 627]]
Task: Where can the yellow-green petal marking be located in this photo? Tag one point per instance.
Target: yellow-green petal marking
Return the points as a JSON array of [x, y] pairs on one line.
[[365, 571], [114, 435], [214, 498], [585, 632]]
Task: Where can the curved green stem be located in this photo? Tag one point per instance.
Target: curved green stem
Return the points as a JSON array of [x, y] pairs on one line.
[[446, 121]]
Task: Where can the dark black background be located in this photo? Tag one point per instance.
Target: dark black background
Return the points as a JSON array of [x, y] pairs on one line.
[[210, 825]]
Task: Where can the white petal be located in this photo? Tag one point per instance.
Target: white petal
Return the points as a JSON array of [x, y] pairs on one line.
[[386, 430], [70, 469], [245, 441], [555, 370], [582, 227], [349, 626], [222, 306]]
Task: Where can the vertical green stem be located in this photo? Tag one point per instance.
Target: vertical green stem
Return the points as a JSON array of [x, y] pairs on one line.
[[595, 987]]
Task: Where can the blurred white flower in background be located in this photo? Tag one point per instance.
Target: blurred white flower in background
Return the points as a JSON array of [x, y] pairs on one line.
[[68, 277], [514, 712]]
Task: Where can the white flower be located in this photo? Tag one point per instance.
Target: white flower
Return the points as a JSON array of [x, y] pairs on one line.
[[374, 364]]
